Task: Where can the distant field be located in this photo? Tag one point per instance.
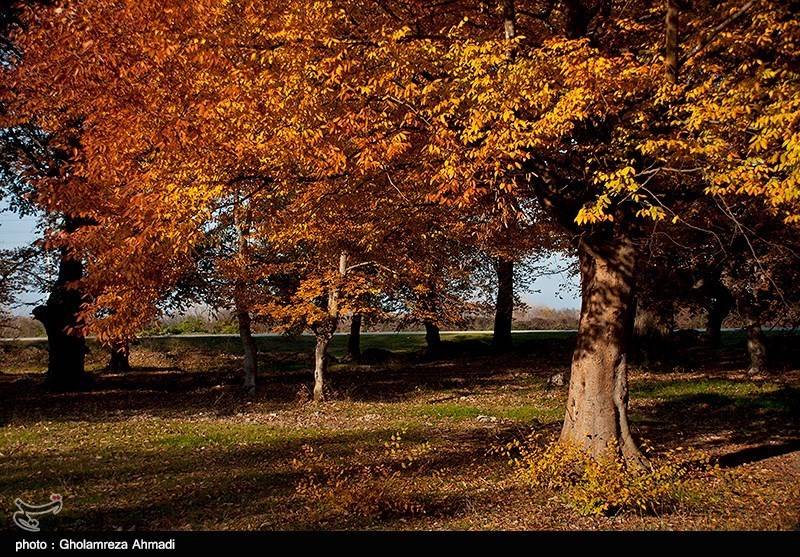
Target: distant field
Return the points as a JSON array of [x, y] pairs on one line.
[[30, 355]]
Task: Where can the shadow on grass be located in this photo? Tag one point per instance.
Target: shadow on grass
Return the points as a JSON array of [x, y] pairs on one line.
[[225, 484], [765, 418]]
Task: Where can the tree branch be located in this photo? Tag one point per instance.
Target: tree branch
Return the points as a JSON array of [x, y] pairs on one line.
[[717, 30]]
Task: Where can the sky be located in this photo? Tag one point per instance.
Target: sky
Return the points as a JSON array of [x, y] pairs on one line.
[[558, 290]]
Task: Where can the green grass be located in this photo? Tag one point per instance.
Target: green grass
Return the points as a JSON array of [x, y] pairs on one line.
[[683, 388], [523, 414]]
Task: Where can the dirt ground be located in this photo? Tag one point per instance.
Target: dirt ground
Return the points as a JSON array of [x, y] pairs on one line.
[[404, 442]]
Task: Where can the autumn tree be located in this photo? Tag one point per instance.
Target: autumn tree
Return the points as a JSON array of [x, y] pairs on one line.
[[610, 119]]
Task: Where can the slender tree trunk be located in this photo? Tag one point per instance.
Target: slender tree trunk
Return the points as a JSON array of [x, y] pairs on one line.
[[504, 304], [504, 308], [509, 19], [432, 338], [597, 402], [324, 333], [242, 217], [719, 307], [59, 315], [320, 365], [249, 349], [354, 340], [119, 361], [672, 53], [756, 348]]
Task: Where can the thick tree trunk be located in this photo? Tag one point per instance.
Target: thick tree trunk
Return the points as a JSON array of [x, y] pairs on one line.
[[504, 308], [250, 362], [119, 361], [59, 315], [354, 340], [596, 413], [756, 348], [432, 338], [719, 307]]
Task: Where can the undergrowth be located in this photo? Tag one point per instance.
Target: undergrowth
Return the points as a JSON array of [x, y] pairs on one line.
[[379, 489], [607, 485]]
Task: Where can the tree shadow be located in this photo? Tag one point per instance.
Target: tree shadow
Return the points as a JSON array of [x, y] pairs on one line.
[[765, 422]]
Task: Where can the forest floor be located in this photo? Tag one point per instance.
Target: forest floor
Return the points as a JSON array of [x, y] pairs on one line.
[[403, 443]]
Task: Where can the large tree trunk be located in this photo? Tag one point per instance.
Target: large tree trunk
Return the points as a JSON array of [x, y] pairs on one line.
[[596, 413], [120, 357], [59, 315], [433, 339], [756, 348], [504, 309], [354, 340], [249, 349]]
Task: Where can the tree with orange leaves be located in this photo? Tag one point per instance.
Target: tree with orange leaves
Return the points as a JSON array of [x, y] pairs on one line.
[[344, 110]]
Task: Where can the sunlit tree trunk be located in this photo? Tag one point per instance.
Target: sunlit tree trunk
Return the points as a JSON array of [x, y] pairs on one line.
[[504, 308], [59, 315], [596, 414], [354, 339], [324, 332]]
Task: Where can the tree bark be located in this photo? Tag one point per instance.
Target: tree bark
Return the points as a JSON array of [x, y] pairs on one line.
[[756, 348], [433, 339], [509, 19], [354, 339], [596, 413], [577, 18], [59, 316], [324, 332], [250, 362], [504, 308], [242, 217], [320, 365], [119, 361], [720, 305], [672, 54]]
